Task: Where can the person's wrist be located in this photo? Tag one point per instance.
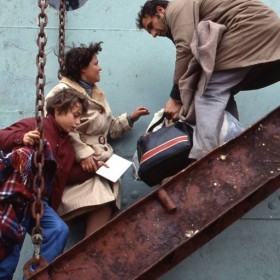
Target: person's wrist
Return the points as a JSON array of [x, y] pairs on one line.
[[130, 120], [177, 101]]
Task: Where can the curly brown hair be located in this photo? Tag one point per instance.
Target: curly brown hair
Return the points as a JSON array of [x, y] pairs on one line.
[[78, 58]]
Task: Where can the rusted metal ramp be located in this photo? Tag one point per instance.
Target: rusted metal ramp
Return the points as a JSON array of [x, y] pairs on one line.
[[146, 240]]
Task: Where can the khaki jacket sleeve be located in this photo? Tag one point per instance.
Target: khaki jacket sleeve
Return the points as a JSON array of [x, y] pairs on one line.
[[82, 150], [119, 126]]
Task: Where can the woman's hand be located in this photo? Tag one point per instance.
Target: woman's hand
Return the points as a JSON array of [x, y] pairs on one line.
[[138, 112], [31, 138], [91, 164]]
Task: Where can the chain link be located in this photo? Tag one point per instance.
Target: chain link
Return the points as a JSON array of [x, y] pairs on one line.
[[37, 208], [61, 36]]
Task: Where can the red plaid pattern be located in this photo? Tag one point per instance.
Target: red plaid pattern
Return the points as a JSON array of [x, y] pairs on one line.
[[16, 181]]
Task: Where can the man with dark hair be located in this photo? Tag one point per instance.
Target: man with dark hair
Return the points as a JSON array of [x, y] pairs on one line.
[[222, 47]]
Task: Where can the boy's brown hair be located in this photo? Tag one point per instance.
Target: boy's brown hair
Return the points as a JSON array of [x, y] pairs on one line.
[[65, 100]]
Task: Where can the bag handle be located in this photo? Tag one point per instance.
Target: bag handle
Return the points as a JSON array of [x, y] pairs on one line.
[[151, 128]]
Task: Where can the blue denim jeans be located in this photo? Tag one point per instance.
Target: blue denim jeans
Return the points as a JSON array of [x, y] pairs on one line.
[[54, 241]]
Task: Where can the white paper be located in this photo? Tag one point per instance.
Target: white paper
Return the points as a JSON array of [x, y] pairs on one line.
[[117, 166]]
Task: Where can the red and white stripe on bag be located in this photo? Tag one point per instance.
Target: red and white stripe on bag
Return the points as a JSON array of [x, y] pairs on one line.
[[164, 147]]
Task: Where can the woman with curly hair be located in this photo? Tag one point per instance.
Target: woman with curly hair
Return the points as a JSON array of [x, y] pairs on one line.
[[97, 198]]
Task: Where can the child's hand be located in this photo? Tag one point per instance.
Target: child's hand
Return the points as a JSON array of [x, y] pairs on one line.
[[31, 138], [91, 164], [138, 112]]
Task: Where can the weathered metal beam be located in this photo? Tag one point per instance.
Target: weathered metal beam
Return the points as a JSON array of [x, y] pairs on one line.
[[146, 240]]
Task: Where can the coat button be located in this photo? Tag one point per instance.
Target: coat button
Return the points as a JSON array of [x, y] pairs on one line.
[[101, 140]]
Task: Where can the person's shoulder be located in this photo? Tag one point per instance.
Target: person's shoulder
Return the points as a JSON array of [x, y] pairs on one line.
[[176, 3], [61, 85], [178, 7], [27, 120], [24, 123]]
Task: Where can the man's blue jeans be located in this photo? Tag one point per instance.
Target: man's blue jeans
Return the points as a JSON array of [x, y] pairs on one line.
[[55, 237]]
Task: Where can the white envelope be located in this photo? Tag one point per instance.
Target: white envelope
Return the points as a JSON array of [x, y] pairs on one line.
[[117, 167]]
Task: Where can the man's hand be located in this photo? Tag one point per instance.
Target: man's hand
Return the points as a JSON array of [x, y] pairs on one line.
[[172, 109]]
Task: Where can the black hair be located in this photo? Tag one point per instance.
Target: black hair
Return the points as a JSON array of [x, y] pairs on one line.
[[78, 58], [149, 9]]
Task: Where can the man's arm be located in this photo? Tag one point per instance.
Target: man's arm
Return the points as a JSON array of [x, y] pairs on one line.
[[181, 17]]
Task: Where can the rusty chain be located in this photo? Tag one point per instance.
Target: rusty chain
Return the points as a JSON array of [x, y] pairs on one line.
[[37, 207], [61, 36], [38, 183]]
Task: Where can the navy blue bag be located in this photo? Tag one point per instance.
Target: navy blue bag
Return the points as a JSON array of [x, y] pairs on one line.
[[165, 152]]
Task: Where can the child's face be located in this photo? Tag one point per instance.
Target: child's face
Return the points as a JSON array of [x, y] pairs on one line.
[[70, 120]]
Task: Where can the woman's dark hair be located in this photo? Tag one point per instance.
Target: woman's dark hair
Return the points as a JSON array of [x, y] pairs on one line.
[[78, 58], [149, 9], [65, 99]]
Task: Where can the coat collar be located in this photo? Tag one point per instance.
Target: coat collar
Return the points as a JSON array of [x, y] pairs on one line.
[[97, 94]]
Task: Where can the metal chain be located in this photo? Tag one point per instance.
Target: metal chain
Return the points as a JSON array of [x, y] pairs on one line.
[[37, 208], [61, 36]]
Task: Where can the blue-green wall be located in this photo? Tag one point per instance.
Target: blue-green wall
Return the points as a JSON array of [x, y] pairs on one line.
[[137, 70]]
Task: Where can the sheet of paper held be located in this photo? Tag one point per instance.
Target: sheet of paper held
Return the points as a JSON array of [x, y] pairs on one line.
[[117, 166]]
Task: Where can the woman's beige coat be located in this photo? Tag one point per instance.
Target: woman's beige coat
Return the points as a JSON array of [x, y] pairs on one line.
[[91, 137]]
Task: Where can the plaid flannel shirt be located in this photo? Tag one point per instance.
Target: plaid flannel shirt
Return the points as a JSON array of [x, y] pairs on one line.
[[16, 183]]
